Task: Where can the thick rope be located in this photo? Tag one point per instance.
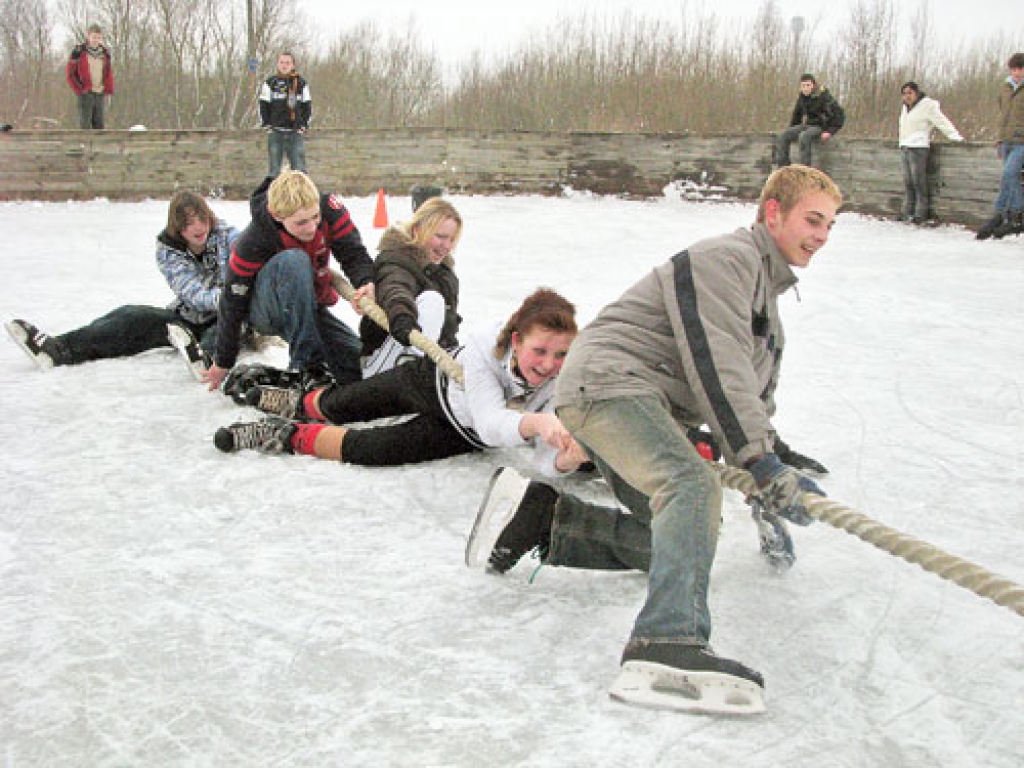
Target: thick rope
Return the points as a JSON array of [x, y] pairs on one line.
[[448, 365], [962, 572]]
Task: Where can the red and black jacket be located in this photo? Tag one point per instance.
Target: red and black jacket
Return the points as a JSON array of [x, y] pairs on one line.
[[263, 239], [78, 75]]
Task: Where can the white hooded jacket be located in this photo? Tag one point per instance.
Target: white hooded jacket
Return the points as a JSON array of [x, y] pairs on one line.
[[917, 123]]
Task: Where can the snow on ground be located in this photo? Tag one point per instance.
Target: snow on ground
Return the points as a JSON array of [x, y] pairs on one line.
[[165, 604]]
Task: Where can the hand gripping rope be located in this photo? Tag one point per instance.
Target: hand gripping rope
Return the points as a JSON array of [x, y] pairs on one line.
[[981, 582], [445, 362], [968, 575]]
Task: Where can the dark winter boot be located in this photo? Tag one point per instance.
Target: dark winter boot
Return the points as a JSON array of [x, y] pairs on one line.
[[272, 436], [986, 230], [1013, 224], [45, 351]]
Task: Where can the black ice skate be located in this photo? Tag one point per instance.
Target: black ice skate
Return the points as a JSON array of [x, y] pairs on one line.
[[687, 678], [270, 436], [195, 357], [245, 376], [44, 351], [514, 519], [277, 400]]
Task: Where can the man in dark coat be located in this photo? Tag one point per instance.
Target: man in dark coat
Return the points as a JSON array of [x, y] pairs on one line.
[[817, 116]]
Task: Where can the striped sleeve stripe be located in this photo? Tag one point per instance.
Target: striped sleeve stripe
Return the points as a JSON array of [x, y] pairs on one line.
[[700, 350], [241, 267], [342, 226]]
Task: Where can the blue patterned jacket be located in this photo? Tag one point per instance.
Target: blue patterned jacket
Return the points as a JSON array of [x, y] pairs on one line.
[[196, 280]]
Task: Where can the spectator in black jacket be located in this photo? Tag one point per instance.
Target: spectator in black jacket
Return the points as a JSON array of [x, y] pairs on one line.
[[285, 109], [817, 115], [279, 280]]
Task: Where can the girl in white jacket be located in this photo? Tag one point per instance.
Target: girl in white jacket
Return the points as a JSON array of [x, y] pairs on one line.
[[509, 372], [919, 117]]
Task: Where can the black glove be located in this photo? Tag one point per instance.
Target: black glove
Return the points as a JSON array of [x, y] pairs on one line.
[[401, 327], [783, 488], [797, 460]]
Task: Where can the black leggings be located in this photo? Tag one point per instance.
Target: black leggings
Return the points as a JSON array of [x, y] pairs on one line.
[[409, 388]]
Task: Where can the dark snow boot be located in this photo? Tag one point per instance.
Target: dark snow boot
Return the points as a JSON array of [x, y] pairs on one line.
[[1013, 224], [990, 226]]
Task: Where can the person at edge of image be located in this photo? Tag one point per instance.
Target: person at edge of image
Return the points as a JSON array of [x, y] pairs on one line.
[[697, 341], [817, 116], [509, 370], [1009, 206], [919, 116], [285, 110], [191, 253], [90, 74], [279, 281]]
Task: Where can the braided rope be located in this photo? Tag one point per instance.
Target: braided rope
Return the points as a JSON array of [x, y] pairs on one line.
[[449, 366], [962, 572], [981, 582]]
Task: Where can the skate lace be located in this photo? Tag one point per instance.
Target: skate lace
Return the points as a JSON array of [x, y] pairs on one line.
[[258, 435], [283, 402]]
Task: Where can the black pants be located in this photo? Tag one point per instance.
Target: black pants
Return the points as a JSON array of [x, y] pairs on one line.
[[90, 110], [127, 331], [410, 388]]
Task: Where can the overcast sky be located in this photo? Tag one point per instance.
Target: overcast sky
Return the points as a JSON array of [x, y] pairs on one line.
[[454, 28]]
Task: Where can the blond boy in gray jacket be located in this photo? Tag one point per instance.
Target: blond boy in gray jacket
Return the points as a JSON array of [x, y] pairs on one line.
[[697, 341]]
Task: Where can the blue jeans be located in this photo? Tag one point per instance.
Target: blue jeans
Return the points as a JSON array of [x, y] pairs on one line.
[[915, 181], [657, 474], [280, 143], [1011, 195], [284, 304], [804, 135], [127, 331]]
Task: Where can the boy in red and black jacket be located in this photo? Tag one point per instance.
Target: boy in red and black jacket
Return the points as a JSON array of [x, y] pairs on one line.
[[91, 77], [278, 279]]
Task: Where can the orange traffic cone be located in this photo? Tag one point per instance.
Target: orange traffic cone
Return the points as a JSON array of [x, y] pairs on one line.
[[380, 216]]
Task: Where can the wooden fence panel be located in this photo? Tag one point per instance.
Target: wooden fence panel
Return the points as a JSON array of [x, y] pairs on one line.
[[58, 165]]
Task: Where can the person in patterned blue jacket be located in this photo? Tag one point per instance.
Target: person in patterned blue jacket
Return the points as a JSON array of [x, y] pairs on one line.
[[191, 253], [278, 280]]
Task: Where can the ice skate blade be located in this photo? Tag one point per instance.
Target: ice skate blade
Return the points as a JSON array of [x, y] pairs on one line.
[[181, 340], [655, 686], [504, 493]]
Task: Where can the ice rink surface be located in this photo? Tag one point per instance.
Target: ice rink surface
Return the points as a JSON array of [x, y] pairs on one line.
[[163, 604]]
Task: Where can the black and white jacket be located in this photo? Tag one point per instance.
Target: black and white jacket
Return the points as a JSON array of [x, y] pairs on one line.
[[285, 103]]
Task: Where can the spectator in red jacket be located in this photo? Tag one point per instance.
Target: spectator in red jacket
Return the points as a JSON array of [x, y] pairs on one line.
[[91, 77]]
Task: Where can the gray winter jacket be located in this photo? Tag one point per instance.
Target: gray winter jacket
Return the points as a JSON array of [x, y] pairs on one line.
[[702, 333]]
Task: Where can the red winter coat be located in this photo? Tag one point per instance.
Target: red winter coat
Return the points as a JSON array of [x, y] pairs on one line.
[[78, 71]]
